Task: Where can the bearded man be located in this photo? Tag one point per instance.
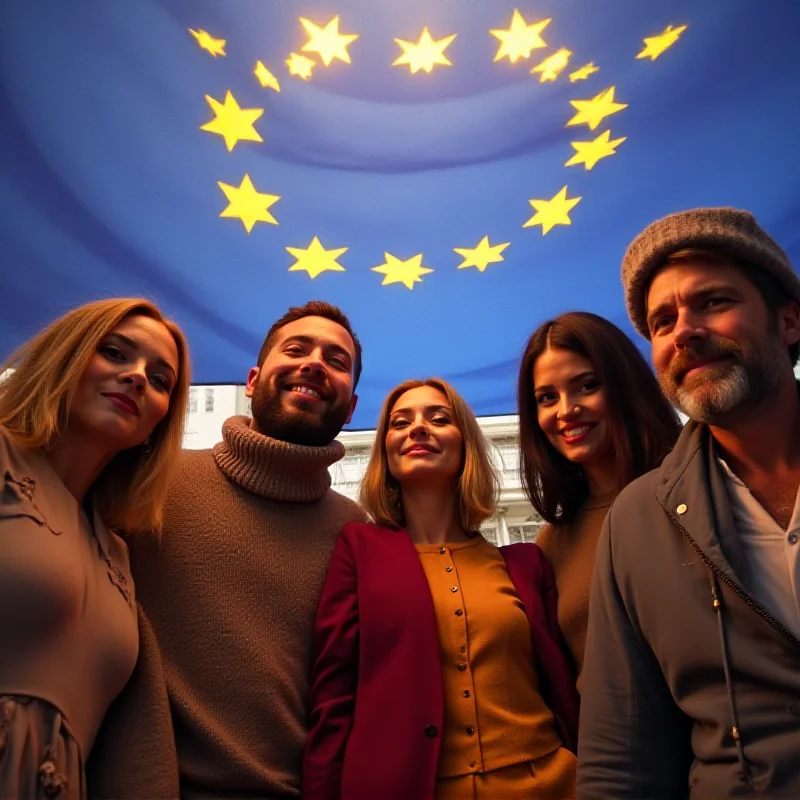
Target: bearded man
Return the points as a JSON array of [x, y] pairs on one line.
[[692, 670]]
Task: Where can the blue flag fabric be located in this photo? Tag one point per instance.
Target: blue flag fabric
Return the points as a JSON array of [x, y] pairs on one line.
[[144, 151]]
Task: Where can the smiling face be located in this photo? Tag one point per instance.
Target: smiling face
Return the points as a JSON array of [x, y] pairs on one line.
[[571, 406], [422, 441], [303, 391], [125, 391], [716, 347]]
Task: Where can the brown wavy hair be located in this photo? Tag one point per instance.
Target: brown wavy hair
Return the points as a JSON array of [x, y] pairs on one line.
[[477, 485], [642, 423], [36, 401]]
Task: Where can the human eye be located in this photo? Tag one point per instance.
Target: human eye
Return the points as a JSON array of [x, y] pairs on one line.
[[590, 385], [111, 352], [660, 324], [717, 300], [340, 363], [545, 398], [161, 382], [398, 422], [440, 419]]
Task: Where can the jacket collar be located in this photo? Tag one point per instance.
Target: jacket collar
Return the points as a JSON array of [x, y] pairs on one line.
[[691, 487]]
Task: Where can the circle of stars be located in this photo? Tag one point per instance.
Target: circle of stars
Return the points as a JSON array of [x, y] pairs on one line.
[[516, 43]]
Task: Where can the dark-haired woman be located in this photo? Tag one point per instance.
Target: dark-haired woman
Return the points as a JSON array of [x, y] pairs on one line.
[[592, 419]]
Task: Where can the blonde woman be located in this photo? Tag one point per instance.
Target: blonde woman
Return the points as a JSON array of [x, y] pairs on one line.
[[91, 420], [440, 671]]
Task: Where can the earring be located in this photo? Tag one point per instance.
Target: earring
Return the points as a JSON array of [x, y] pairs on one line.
[[147, 448]]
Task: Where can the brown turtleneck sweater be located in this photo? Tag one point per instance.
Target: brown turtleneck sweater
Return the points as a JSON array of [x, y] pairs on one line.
[[570, 548], [231, 591]]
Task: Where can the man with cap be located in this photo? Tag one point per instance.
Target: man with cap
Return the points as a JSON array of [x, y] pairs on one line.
[[692, 672]]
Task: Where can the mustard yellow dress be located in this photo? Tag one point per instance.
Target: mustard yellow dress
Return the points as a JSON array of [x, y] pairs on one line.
[[499, 739]]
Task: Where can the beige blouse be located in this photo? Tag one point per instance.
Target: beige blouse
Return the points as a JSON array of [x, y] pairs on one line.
[[570, 548], [68, 630]]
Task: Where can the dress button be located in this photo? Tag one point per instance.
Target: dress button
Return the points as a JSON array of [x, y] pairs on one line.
[[470, 730], [431, 731], [466, 693], [462, 667], [448, 569], [442, 551], [454, 589], [463, 649], [472, 765], [792, 538], [459, 612]]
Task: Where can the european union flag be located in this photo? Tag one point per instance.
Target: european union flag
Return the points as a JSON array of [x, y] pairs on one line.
[[449, 172]]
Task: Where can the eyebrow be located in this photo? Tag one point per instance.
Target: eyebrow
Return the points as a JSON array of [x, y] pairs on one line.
[[695, 294], [575, 379], [132, 344], [428, 409], [309, 340]]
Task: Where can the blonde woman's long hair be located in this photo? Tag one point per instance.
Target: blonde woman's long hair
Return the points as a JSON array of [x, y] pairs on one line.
[[477, 485], [36, 401]]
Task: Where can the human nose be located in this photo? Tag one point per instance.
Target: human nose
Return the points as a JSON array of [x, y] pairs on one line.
[[136, 375], [314, 365], [688, 329], [568, 408]]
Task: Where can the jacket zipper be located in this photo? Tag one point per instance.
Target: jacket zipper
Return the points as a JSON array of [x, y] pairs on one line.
[[726, 580]]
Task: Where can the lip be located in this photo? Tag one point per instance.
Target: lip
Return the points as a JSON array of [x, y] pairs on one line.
[[580, 437], [418, 449], [290, 388], [699, 366], [123, 401]]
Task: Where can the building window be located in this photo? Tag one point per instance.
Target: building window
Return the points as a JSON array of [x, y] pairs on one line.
[[192, 401], [524, 532], [209, 401], [491, 533]]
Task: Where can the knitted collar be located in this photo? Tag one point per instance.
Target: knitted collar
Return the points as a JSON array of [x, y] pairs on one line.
[[273, 469]]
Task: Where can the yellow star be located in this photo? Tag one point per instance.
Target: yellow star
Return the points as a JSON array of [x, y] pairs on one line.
[[214, 46], [555, 211], [425, 54], [584, 72], [315, 259], [231, 122], [589, 153], [327, 41], [301, 66], [553, 65], [405, 272], [265, 77], [592, 112], [654, 46], [246, 204], [482, 255], [519, 38]]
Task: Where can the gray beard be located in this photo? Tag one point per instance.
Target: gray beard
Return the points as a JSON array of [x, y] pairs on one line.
[[726, 390]]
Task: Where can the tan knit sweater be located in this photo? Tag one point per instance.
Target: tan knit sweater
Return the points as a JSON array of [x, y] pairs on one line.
[[570, 548], [232, 593]]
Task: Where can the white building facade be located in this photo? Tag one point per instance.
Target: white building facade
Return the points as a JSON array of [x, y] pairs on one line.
[[514, 521]]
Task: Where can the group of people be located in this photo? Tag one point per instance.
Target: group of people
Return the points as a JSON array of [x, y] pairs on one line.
[[222, 624]]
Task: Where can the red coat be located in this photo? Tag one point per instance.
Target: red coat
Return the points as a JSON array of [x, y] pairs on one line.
[[377, 699]]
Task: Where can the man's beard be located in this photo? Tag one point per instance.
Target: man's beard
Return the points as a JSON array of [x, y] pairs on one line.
[[295, 425], [739, 384]]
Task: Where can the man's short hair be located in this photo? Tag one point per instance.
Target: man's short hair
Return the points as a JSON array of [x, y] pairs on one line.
[[314, 308], [771, 290]]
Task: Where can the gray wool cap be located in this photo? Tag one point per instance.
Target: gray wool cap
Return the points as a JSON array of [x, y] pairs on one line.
[[730, 229]]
